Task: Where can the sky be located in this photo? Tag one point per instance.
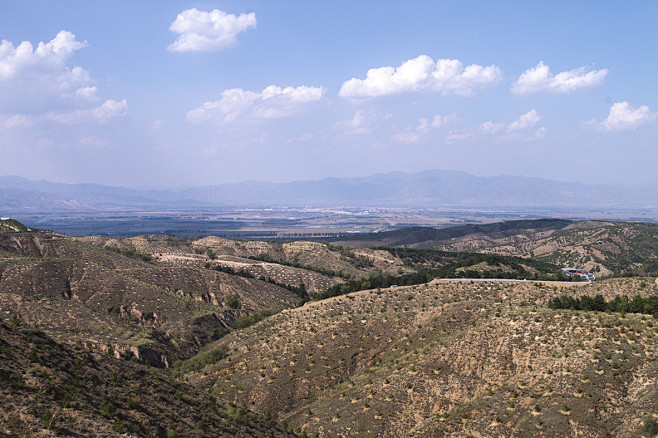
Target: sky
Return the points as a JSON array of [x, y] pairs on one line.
[[185, 93]]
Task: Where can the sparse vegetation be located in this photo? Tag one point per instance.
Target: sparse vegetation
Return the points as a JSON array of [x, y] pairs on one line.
[[130, 253], [437, 358]]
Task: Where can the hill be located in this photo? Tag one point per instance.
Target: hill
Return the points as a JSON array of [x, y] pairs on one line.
[[425, 237], [159, 299], [448, 359], [117, 298], [161, 336], [51, 389], [601, 247], [11, 226]]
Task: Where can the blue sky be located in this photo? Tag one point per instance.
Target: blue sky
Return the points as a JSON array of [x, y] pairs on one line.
[[178, 93]]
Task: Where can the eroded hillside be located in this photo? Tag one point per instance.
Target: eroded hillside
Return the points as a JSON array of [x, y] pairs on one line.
[[448, 359], [119, 301], [51, 389], [84, 322], [600, 247]]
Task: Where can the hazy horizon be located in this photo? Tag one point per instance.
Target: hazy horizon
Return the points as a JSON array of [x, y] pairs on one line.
[[174, 187], [188, 93]]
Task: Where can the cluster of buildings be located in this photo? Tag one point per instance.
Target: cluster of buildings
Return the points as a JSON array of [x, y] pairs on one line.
[[582, 273]]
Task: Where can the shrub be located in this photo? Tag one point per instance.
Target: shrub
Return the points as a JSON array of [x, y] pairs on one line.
[[48, 419], [651, 427], [118, 426], [131, 403], [106, 409], [246, 321], [200, 360], [17, 381], [232, 301]]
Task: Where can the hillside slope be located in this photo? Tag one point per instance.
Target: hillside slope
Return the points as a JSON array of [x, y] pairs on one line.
[[448, 359], [423, 237], [119, 301], [50, 389], [600, 247]]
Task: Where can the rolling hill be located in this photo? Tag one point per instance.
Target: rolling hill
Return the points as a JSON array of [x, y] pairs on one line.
[[601, 247], [161, 336], [447, 359]]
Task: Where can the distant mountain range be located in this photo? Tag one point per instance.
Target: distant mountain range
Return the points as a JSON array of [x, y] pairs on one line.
[[435, 188]]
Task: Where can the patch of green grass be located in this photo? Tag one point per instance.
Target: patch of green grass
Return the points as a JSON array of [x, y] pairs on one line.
[[200, 361]]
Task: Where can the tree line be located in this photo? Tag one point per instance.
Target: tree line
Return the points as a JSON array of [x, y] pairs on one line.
[[620, 303]]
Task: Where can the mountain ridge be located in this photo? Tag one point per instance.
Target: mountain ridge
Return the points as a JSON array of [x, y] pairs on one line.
[[433, 188]]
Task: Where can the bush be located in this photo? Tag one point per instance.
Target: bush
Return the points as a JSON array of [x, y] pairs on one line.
[[651, 426], [131, 403], [118, 426], [17, 381], [246, 321], [232, 301], [130, 253], [200, 360], [106, 409], [48, 419]]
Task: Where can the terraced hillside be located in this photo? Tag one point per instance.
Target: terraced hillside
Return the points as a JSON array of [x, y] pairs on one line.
[[87, 324], [448, 359], [118, 301], [51, 389], [315, 265], [330, 261], [600, 247]]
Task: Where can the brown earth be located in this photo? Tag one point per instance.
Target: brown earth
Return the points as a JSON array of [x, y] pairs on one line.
[[49, 389], [448, 359]]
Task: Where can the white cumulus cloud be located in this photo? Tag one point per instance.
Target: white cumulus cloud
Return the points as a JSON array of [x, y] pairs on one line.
[[491, 128], [521, 129], [523, 123], [103, 113], [623, 117], [33, 79], [527, 120], [422, 74], [37, 84], [363, 122], [24, 59], [426, 125], [540, 78], [273, 102], [208, 31]]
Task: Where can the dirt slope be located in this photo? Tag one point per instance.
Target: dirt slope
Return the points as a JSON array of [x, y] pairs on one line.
[[448, 359]]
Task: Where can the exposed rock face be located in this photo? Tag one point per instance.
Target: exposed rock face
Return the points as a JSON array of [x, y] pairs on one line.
[[142, 310]]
